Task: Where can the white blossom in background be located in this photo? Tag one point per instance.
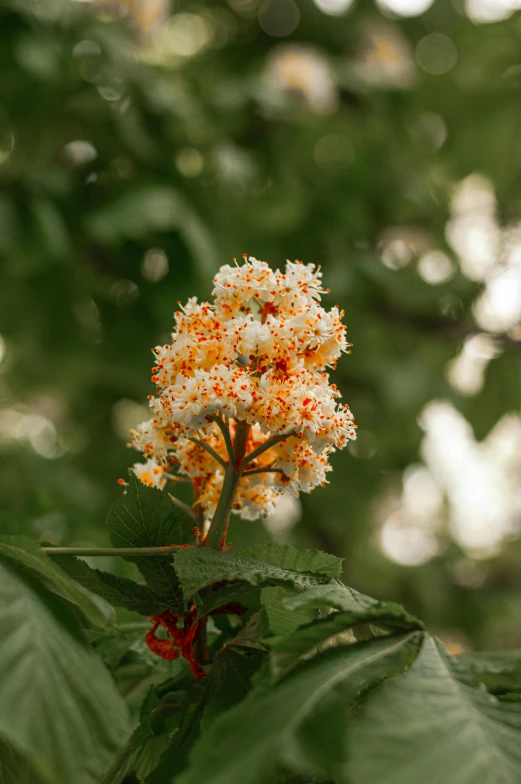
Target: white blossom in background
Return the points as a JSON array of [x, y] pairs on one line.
[[471, 487], [466, 373], [480, 480], [298, 69]]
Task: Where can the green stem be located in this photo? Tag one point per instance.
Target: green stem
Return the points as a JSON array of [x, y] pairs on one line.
[[263, 471], [225, 430], [265, 446], [217, 534], [103, 551], [219, 524], [210, 450]]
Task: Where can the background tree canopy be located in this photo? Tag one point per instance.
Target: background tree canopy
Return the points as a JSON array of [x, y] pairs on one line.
[[137, 154]]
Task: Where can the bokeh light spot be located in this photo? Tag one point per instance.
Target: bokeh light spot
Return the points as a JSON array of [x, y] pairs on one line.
[[279, 18], [190, 162], [154, 265], [405, 7], [334, 7], [436, 54], [435, 267]]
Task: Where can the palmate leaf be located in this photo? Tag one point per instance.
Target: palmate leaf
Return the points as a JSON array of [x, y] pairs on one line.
[[498, 670], [119, 591], [27, 555], [145, 517], [59, 707], [198, 568], [250, 742], [435, 724]]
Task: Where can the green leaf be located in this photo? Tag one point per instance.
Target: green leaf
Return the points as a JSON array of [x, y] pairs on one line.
[[282, 621], [15, 768], [436, 724], [119, 591], [145, 517], [28, 555], [242, 593], [333, 594], [308, 639], [59, 706], [232, 672], [174, 759], [250, 742], [201, 567], [287, 557], [498, 670], [141, 755]]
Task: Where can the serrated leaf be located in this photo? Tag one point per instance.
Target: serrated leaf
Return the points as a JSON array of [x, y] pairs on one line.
[[433, 724], [119, 591], [498, 670], [232, 672], [201, 567], [309, 638], [27, 554], [285, 556], [282, 621], [250, 742], [241, 593], [333, 594], [145, 517], [59, 706]]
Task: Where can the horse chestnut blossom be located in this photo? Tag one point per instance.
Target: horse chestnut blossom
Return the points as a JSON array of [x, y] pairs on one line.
[[244, 409]]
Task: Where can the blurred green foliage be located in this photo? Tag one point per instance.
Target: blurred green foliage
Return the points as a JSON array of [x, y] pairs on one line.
[[129, 171]]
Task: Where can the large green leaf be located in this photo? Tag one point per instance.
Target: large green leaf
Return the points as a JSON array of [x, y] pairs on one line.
[[15, 768], [310, 637], [200, 567], [287, 557], [117, 590], [436, 724], [498, 670], [145, 517], [27, 554], [250, 742], [59, 707]]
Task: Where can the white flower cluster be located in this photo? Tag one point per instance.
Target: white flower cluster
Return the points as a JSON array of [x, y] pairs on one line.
[[257, 356]]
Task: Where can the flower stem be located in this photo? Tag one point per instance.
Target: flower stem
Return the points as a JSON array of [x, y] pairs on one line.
[[265, 446], [225, 430], [216, 536], [219, 525], [211, 451]]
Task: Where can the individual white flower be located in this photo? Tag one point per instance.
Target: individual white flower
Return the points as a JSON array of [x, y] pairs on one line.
[[151, 473]]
